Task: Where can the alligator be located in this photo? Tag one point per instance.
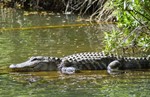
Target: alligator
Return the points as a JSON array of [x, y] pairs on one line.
[[83, 61]]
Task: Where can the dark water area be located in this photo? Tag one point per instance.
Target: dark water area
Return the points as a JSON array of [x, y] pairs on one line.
[[17, 45]]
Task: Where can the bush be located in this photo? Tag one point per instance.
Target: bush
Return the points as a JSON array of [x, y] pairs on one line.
[[133, 20]]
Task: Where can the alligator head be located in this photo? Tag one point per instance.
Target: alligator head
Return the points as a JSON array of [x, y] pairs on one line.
[[38, 63]]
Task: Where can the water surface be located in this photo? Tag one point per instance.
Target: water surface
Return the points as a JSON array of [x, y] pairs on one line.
[[18, 45]]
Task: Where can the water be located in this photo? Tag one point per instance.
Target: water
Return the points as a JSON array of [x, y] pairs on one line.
[[88, 84], [18, 45]]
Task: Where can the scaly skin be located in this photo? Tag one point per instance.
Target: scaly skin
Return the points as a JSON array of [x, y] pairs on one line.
[[100, 61], [83, 61]]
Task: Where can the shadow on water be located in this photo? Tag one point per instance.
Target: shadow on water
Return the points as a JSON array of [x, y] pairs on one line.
[[18, 45]]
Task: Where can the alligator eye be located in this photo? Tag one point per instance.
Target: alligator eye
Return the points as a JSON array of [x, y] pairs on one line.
[[33, 59]]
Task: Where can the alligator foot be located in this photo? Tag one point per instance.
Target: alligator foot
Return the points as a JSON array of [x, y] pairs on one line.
[[68, 70], [114, 67]]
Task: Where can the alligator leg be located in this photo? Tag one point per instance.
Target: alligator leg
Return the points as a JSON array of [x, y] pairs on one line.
[[68, 70], [113, 67]]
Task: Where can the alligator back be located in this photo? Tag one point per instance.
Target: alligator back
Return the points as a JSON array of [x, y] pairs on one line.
[[135, 63], [99, 61], [88, 61]]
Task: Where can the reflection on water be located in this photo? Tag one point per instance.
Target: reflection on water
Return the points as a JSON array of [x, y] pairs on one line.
[[85, 84], [17, 45]]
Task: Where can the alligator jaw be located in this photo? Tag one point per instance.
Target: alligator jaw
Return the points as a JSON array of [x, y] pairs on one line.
[[22, 67], [12, 66], [26, 64]]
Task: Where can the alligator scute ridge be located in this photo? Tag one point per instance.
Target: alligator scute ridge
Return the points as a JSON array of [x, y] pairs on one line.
[[83, 61]]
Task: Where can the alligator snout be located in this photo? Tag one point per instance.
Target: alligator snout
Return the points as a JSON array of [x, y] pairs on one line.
[[12, 66]]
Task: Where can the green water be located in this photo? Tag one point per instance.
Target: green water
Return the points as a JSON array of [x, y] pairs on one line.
[[87, 84], [18, 45]]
